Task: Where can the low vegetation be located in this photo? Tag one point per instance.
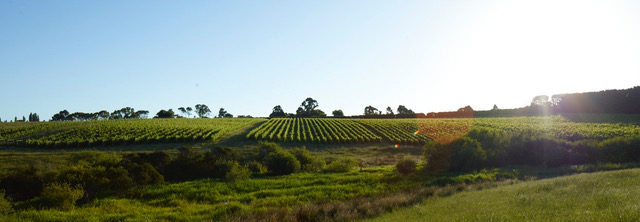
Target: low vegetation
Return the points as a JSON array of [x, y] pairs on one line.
[[602, 196], [340, 176]]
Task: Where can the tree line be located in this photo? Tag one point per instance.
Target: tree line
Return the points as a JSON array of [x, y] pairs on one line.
[[625, 101], [308, 109], [201, 111]]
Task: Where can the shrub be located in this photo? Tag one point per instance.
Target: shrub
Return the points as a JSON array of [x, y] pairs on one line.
[[266, 148], [61, 195], [5, 205], [157, 159], [467, 154], [223, 153], [238, 172], [91, 178], [282, 163], [144, 174], [620, 149], [406, 166], [341, 166], [436, 156], [27, 182], [308, 162], [119, 180], [256, 167], [95, 158]]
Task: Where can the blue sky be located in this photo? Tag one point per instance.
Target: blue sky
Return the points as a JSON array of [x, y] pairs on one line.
[[87, 56]]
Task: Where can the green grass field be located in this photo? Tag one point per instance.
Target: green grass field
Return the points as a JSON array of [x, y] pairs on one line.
[[601, 196], [517, 147]]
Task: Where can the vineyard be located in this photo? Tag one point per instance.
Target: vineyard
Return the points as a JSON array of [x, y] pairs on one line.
[[313, 130], [419, 131], [119, 132], [301, 130]]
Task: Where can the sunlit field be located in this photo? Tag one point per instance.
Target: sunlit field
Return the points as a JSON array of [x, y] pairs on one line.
[[604, 196], [353, 168]]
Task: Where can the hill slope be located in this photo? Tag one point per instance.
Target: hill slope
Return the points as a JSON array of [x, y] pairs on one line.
[[603, 196]]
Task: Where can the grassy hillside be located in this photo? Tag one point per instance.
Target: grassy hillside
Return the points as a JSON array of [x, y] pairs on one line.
[[603, 196]]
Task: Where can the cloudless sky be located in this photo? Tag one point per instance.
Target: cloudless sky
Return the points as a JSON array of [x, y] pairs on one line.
[[249, 56]]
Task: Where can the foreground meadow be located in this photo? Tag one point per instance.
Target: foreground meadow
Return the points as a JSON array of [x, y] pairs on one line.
[[601, 196]]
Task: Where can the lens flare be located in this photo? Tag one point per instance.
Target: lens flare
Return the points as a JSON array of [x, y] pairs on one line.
[[416, 133], [446, 127], [396, 146]]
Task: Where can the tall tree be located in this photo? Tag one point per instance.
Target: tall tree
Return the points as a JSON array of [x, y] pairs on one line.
[[103, 115], [189, 109], [61, 116], [117, 114], [165, 114], [389, 110], [183, 110], [202, 110], [541, 100], [222, 113], [300, 112], [370, 110], [309, 105], [277, 112], [338, 113], [141, 114], [402, 110]]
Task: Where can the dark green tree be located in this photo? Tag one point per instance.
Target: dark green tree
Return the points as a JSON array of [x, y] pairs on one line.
[[338, 113], [389, 111], [277, 112], [165, 114], [222, 113], [402, 110], [103, 115], [141, 114], [202, 110], [300, 112], [61, 116], [370, 110], [183, 110], [308, 105], [189, 109]]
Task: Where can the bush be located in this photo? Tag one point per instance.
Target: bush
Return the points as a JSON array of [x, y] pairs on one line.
[[282, 163], [256, 167], [144, 174], [238, 172], [309, 163], [266, 148], [436, 156], [406, 166], [467, 154], [95, 158], [620, 149], [341, 166], [91, 178], [61, 195], [157, 159], [5, 205], [27, 182]]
